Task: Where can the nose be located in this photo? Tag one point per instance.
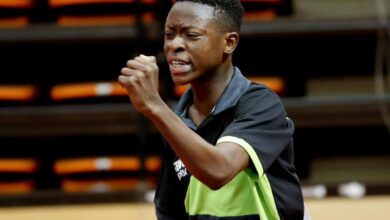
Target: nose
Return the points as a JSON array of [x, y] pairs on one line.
[[176, 44]]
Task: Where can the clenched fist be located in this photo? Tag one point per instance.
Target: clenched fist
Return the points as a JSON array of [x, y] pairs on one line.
[[140, 78]]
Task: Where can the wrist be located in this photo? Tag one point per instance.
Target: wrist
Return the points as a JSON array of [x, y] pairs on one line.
[[155, 110]]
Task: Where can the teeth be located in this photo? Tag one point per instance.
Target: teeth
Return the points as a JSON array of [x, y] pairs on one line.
[[177, 63]]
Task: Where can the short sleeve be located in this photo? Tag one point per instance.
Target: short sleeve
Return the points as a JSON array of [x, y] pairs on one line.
[[260, 126]]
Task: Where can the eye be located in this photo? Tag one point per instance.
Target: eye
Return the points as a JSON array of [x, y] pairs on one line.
[[169, 34], [192, 35]]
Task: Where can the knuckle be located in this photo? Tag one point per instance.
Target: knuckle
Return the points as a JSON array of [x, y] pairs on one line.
[[139, 74], [130, 63], [154, 66], [132, 80], [121, 79], [124, 70], [148, 69], [139, 57]]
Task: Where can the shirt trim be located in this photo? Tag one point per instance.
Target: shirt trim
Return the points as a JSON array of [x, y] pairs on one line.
[[265, 200]]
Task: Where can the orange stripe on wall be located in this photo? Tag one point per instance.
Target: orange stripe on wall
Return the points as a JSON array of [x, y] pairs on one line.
[[149, 2], [99, 185], [86, 90], [16, 3], [153, 163], [14, 22], [18, 165], [17, 93], [72, 20], [61, 3], [17, 187], [148, 17], [69, 166], [265, 15]]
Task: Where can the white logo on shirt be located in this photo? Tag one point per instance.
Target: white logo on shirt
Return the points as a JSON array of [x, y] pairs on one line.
[[180, 169]]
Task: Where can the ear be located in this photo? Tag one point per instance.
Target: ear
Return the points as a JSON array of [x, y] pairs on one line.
[[231, 42]]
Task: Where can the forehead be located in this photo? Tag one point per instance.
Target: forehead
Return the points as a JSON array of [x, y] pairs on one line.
[[190, 14]]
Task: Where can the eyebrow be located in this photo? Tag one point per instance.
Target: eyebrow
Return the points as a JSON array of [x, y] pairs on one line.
[[186, 28]]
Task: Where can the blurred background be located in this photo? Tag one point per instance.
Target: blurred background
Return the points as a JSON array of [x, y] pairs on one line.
[[69, 135]]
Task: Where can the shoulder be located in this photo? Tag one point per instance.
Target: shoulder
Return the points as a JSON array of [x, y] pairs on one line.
[[260, 90], [259, 97]]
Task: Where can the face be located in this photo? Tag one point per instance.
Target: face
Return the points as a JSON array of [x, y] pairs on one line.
[[193, 45]]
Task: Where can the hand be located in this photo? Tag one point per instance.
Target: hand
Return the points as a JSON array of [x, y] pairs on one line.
[[140, 79]]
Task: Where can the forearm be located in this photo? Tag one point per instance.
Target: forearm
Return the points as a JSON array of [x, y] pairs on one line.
[[202, 159]]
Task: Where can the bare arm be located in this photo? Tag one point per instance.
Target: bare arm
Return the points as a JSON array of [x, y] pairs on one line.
[[214, 166]]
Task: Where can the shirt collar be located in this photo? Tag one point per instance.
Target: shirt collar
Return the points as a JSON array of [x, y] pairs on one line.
[[233, 92]]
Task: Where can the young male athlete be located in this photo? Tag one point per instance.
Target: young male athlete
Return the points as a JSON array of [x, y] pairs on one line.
[[229, 146]]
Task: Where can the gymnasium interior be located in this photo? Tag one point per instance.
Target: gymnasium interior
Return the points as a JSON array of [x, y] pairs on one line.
[[73, 147]]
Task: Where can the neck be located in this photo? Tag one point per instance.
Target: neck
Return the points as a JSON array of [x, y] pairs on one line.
[[208, 91]]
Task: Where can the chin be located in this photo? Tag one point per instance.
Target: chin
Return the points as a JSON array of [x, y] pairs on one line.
[[180, 80]]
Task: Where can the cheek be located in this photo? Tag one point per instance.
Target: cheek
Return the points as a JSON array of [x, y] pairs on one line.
[[201, 51], [209, 55]]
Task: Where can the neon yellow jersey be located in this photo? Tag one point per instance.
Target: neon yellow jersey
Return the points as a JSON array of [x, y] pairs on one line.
[[246, 195]]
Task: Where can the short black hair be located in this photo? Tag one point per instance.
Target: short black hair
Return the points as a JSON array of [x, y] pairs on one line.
[[228, 12]]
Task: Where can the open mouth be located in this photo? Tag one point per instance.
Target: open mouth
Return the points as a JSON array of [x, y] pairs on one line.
[[179, 67], [177, 64]]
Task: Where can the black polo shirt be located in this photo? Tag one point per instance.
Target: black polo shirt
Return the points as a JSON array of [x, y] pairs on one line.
[[254, 116]]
